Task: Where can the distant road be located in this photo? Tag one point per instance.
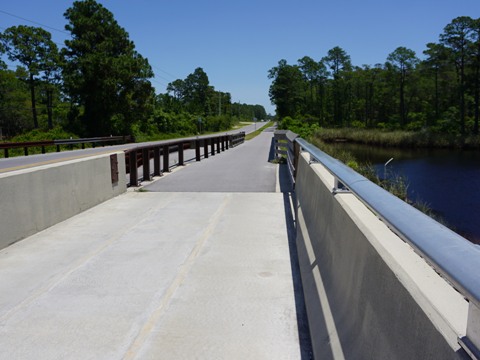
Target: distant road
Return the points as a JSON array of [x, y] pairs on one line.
[[23, 162]]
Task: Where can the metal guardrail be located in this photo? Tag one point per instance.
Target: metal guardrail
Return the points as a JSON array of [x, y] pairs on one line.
[[140, 156], [6, 146], [286, 146], [452, 256]]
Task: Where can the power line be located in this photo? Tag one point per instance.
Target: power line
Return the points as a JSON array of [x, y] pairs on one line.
[[165, 72], [159, 82], [34, 22], [162, 77], [59, 44]]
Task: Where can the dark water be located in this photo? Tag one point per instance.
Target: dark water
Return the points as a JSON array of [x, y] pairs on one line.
[[448, 181]]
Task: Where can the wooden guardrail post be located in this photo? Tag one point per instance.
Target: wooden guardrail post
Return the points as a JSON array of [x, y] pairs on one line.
[[146, 164], [132, 164], [211, 145], [205, 148], [197, 150], [166, 158], [156, 161], [180, 154]]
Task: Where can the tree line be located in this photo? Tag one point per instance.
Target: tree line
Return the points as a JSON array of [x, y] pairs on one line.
[[98, 84], [440, 92], [192, 105]]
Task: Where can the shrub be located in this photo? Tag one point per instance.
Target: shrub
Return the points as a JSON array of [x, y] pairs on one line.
[[358, 124]]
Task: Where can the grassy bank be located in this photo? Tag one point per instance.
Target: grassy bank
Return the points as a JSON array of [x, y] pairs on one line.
[[405, 139], [41, 135], [257, 132], [396, 185], [59, 133]]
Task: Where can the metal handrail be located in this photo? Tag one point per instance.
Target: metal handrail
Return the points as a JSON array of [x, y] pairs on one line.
[[452, 256], [14, 145], [285, 145], [105, 139], [44, 143], [11, 145]]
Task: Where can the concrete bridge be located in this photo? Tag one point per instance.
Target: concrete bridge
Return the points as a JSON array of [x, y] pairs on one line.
[[223, 259]]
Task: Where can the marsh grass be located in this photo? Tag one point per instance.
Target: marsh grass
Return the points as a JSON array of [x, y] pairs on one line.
[[404, 139], [395, 184]]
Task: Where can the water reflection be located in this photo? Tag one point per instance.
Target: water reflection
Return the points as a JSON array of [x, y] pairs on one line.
[[447, 180]]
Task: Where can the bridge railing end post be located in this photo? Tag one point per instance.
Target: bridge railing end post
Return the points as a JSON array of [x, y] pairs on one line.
[[471, 342]]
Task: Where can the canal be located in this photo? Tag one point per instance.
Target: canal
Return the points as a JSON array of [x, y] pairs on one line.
[[447, 181]]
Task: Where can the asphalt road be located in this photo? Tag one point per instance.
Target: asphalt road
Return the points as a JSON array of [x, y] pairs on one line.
[[21, 162]]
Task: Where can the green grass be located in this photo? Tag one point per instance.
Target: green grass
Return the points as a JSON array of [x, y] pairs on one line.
[[141, 137], [396, 185], [404, 139], [157, 136], [42, 135], [259, 131], [241, 124]]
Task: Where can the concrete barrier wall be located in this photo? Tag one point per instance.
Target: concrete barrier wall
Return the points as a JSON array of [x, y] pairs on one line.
[[33, 199], [368, 295]]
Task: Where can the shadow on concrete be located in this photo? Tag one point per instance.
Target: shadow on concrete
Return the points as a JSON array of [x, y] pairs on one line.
[[286, 188], [271, 153]]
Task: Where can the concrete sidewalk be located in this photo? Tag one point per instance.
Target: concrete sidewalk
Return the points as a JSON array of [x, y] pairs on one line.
[[245, 168], [150, 275]]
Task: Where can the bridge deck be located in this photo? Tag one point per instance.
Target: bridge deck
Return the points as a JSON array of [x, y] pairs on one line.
[[157, 275]]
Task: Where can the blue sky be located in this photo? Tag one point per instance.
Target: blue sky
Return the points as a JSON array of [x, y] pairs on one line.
[[237, 42]]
